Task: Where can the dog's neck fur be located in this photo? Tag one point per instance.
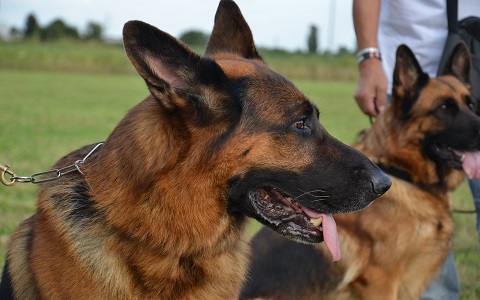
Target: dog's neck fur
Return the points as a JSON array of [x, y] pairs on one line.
[[408, 155], [202, 242]]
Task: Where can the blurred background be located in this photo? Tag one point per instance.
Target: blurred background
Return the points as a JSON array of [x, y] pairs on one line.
[[65, 82], [275, 24], [304, 29]]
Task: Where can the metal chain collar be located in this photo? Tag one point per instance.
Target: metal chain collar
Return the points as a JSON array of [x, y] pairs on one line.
[[54, 173]]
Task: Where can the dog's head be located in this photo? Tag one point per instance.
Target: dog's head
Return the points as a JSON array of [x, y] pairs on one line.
[[245, 130], [438, 113]]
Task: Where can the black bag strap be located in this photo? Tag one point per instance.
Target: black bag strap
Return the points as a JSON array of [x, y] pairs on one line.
[[452, 15]]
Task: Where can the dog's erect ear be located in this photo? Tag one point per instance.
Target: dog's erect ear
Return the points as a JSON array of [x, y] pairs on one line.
[[408, 79], [168, 66], [231, 32], [407, 71], [459, 63]]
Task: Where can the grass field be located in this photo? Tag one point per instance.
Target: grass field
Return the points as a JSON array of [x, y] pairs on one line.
[[47, 114], [95, 57]]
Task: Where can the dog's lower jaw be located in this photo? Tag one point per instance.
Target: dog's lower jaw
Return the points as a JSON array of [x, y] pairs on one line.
[[271, 208], [281, 213]]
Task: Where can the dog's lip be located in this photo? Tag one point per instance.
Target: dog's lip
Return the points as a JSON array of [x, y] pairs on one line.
[[279, 205], [459, 155], [453, 158], [278, 209], [290, 218]]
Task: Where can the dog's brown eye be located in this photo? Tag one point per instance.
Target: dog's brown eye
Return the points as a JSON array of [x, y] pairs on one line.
[[448, 106], [300, 124]]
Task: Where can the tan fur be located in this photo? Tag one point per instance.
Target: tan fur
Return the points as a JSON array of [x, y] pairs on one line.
[[20, 265]]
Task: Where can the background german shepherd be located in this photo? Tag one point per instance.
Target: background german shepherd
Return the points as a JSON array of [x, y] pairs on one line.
[[159, 210], [394, 248]]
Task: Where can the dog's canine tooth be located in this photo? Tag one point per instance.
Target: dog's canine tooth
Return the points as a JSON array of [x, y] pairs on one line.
[[316, 222]]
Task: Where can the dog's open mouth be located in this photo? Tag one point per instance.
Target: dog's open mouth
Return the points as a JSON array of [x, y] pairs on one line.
[[283, 214], [468, 161], [452, 158]]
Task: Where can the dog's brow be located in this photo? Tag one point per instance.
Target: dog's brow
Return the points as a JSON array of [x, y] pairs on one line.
[[305, 107], [447, 83]]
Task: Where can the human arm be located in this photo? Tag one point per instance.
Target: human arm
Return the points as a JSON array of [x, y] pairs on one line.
[[371, 92]]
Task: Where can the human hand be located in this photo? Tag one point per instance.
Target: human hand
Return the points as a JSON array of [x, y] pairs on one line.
[[371, 92]]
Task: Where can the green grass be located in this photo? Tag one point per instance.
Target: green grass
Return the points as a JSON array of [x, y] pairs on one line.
[[64, 55], [97, 57], [47, 114]]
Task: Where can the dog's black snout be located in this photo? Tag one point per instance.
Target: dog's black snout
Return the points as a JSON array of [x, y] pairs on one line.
[[381, 184], [379, 181]]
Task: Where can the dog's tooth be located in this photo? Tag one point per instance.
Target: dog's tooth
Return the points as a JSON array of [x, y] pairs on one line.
[[316, 222]]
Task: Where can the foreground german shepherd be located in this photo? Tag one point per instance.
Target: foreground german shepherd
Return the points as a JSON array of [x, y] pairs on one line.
[[159, 210], [394, 248]]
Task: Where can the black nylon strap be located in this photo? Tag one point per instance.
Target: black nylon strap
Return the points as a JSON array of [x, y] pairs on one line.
[[452, 15], [394, 171]]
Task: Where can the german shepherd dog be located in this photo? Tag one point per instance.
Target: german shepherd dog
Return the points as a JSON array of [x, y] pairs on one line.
[[159, 209], [394, 248]]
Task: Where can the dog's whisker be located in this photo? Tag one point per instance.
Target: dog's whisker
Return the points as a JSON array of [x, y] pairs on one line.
[[311, 194], [317, 200]]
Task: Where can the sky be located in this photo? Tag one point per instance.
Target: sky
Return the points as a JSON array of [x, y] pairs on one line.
[[274, 23]]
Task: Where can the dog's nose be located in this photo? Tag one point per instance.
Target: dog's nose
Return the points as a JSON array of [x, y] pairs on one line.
[[380, 182]]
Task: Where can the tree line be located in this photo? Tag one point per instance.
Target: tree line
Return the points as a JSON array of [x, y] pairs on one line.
[[57, 29]]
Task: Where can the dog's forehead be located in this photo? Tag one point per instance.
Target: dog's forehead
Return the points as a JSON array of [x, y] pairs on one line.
[[259, 79], [450, 85], [441, 88]]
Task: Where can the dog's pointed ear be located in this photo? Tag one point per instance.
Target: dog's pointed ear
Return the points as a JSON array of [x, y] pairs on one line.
[[459, 63], [408, 79], [168, 66], [408, 71], [231, 33]]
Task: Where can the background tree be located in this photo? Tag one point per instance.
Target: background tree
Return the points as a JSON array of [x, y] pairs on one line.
[[31, 27], [194, 38], [57, 29], [94, 31], [343, 51], [312, 39]]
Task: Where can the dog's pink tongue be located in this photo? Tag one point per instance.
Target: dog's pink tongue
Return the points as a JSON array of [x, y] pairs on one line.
[[471, 165], [330, 236]]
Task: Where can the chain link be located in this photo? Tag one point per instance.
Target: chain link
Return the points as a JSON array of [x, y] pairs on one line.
[[55, 173]]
